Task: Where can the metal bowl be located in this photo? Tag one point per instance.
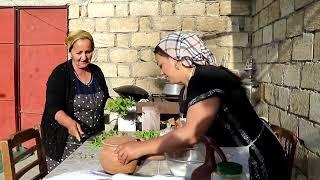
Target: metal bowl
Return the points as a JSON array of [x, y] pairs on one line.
[[184, 162], [172, 89]]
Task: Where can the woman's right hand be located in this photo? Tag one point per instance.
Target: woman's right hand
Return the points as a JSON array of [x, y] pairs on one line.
[[75, 130], [73, 127]]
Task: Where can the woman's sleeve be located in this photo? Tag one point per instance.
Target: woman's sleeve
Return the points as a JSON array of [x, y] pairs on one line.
[[201, 88], [56, 91]]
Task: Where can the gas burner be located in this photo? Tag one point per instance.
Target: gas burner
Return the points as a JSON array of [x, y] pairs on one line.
[[163, 98]]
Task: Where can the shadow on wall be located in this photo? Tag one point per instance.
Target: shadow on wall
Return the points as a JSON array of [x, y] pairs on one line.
[[273, 62], [306, 161], [231, 44], [310, 171], [229, 36]]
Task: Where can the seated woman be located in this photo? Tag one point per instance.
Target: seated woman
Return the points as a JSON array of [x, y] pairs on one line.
[[215, 105]]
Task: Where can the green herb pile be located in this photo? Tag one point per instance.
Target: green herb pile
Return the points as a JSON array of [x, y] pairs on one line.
[[120, 105], [86, 156], [147, 134], [97, 140]]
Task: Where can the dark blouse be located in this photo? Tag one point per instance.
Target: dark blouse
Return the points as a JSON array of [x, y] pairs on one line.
[[209, 81], [237, 123], [60, 95]]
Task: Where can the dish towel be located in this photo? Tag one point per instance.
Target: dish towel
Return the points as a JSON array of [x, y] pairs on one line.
[[82, 175], [97, 175], [157, 177]]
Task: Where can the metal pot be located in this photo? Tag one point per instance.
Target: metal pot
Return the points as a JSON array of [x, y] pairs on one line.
[[172, 89]]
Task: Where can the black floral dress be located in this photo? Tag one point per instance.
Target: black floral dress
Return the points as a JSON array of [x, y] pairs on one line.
[[237, 124]]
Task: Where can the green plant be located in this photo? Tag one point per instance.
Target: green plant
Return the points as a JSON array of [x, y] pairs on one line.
[[120, 105]]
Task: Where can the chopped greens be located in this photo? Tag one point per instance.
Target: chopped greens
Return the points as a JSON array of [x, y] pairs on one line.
[[96, 141], [147, 134]]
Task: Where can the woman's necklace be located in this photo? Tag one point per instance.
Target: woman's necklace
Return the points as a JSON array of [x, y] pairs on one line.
[[85, 81]]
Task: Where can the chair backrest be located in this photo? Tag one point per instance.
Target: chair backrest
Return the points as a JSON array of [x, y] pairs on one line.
[[289, 142], [9, 161]]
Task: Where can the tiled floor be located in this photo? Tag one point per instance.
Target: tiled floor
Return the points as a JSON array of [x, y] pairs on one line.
[[21, 164]]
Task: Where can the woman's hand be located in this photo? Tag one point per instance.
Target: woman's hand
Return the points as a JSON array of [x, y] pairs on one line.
[[73, 127], [75, 130], [129, 151]]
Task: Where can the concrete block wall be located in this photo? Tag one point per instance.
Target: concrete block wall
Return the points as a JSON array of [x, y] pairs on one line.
[[126, 32], [286, 47]]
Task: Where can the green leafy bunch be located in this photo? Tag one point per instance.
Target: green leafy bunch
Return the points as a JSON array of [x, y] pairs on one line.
[[147, 134], [120, 105]]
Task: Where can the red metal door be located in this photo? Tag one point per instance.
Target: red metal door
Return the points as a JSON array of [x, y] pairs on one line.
[[41, 46], [7, 90]]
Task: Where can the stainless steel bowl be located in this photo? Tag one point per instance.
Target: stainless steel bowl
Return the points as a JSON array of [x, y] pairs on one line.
[[172, 89], [184, 162]]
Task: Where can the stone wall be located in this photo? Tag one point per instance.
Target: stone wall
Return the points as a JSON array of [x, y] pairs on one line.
[[286, 47], [126, 32]]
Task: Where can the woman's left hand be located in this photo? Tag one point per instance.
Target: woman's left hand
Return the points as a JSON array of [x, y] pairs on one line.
[[129, 151]]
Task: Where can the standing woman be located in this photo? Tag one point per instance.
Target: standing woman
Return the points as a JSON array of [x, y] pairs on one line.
[[75, 98], [215, 105]]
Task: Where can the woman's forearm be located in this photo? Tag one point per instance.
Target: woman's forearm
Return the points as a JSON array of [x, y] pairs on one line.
[[179, 138], [63, 119], [199, 117], [73, 127]]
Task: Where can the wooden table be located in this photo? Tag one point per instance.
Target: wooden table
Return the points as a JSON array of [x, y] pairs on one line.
[[86, 158]]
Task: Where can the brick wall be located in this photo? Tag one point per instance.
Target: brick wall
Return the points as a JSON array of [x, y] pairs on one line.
[[126, 32], [286, 47]]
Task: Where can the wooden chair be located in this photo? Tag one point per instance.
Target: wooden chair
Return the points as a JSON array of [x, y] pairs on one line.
[[9, 161], [289, 142]]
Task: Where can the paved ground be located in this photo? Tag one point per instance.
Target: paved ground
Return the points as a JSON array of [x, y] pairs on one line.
[[21, 164]]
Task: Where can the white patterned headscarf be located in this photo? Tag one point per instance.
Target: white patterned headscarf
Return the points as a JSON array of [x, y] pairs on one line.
[[187, 48]]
